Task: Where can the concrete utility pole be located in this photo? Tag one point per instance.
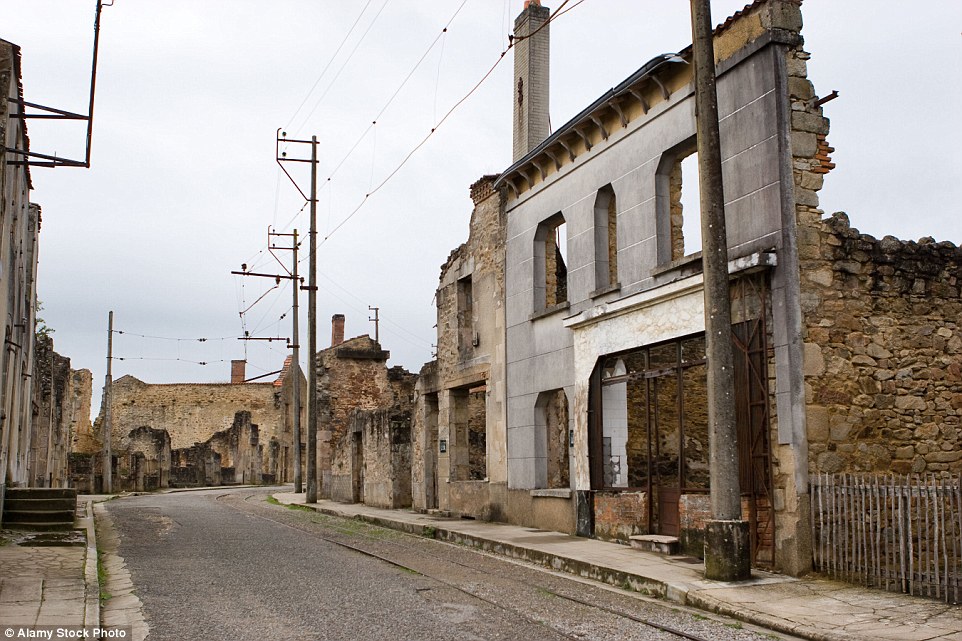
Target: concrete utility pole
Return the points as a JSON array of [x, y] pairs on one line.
[[296, 377], [281, 158], [312, 339], [107, 472], [377, 322], [727, 543]]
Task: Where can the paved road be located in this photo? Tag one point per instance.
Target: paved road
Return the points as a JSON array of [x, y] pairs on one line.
[[228, 564]]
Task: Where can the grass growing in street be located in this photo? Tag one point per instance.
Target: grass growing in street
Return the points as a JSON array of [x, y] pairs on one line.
[[289, 506], [102, 578]]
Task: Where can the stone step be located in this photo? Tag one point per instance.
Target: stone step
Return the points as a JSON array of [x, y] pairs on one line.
[[41, 493], [38, 516], [38, 526], [26, 505], [658, 543]]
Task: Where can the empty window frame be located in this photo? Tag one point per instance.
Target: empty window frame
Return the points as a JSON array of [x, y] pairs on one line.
[[654, 422], [466, 334], [678, 203], [468, 433], [550, 263], [551, 411], [606, 239]]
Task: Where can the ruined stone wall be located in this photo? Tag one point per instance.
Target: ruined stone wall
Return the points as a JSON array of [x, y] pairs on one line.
[[234, 455], [470, 356], [424, 440], [385, 436], [51, 420], [350, 376], [883, 354], [190, 412], [81, 427], [145, 465], [61, 411]]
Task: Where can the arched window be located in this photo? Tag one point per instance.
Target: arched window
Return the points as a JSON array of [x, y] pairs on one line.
[[606, 239], [550, 258], [679, 211]]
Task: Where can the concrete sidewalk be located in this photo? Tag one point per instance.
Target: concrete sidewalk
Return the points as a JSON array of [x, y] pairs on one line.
[[50, 579], [815, 609]]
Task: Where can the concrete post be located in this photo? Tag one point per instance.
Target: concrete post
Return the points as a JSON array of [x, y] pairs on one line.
[[312, 339], [108, 483], [727, 545], [296, 377]]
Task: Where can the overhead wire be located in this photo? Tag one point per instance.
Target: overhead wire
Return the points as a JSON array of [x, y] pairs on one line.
[[374, 189], [437, 126], [329, 63], [344, 65]]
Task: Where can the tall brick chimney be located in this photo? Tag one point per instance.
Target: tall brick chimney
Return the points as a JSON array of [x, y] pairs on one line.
[[337, 329], [530, 89], [238, 371]]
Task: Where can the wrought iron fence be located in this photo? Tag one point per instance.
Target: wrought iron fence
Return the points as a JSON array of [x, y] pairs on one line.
[[895, 532]]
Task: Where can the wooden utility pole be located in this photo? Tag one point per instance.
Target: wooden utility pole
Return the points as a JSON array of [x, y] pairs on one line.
[[312, 339], [727, 545], [107, 470]]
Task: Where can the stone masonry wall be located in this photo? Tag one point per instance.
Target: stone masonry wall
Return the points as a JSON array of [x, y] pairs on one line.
[[350, 376], [51, 421], [190, 412], [883, 357]]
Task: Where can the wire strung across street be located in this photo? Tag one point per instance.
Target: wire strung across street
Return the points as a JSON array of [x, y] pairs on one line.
[[561, 10]]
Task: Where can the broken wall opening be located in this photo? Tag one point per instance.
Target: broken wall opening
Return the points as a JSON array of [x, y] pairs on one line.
[[606, 238], [552, 420], [678, 208], [431, 412], [466, 334], [550, 262], [469, 434]]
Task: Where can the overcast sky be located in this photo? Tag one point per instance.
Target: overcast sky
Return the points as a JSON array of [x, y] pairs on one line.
[[184, 184]]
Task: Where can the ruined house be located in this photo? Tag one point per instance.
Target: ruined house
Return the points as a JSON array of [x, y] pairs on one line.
[[20, 229], [61, 412], [847, 348], [364, 422], [197, 433], [460, 427]]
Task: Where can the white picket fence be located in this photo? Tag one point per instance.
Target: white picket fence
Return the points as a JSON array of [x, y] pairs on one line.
[[898, 533]]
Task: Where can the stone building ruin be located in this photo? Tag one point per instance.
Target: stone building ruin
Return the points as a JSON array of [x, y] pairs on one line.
[[585, 355]]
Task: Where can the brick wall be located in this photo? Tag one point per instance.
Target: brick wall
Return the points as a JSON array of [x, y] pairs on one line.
[[619, 515]]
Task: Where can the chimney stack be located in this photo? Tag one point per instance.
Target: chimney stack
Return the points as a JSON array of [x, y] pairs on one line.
[[530, 89], [238, 371], [337, 329]]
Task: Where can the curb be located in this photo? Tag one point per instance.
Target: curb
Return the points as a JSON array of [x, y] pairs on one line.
[[618, 578], [672, 593], [709, 604], [91, 580]]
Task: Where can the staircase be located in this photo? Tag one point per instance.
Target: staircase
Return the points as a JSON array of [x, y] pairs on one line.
[[39, 509]]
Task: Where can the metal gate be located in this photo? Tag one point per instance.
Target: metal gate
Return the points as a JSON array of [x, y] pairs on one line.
[[753, 412]]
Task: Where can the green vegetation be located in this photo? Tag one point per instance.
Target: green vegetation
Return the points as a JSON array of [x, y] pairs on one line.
[[102, 578], [291, 506], [43, 331], [736, 625]]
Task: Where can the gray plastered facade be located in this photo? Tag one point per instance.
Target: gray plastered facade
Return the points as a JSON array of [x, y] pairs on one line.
[[656, 298]]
